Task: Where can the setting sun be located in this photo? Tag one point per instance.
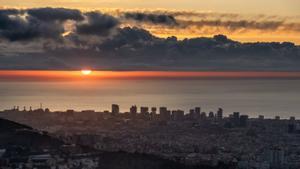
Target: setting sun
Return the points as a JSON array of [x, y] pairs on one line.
[[86, 72]]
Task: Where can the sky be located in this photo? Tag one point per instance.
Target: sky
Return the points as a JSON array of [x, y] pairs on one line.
[[177, 35], [270, 7]]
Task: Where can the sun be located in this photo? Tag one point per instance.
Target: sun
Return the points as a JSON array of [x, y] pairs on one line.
[[86, 72]]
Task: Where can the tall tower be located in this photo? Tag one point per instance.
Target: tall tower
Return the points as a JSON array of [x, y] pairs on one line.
[[220, 114], [115, 109]]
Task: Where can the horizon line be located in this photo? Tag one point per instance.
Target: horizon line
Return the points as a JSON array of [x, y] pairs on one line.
[[45, 75]]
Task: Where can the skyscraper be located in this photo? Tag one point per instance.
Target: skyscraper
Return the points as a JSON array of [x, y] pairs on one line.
[[115, 109], [153, 115], [133, 110], [236, 118], [197, 112], [144, 110], [164, 114], [244, 120], [177, 115], [220, 114], [211, 115]]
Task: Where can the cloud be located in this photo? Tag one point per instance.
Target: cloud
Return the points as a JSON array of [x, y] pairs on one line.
[[55, 14], [243, 25], [236, 25], [24, 25], [151, 18], [137, 49], [58, 38], [16, 28], [97, 24], [51, 23], [193, 23]]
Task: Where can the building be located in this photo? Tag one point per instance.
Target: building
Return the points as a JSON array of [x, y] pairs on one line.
[[133, 110], [261, 117], [244, 120], [145, 113], [144, 110], [164, 114], [292, 119], [153, 115], [236, 115], [178, 115], [211, 115], [236, 118], [275, 157], [291, 128], [191, 114], [197, 113], [115, 109], [203, 116], [153, 110], [220, 114]]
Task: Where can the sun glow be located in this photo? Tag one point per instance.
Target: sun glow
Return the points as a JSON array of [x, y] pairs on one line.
[[86, 72]]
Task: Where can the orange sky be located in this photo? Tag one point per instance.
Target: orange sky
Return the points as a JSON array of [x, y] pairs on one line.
[[98, 75]]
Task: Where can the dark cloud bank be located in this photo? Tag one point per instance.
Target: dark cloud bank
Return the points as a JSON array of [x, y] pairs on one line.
[[97, 41]]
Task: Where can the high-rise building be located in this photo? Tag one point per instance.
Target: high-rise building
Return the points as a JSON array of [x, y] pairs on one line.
[[236, 118], [236, 115], [197, 112], [220, 114], [244, 120], [153, 110], [144, 110], [203, 116], [133, 110], [115, 109], [153, 115], [211, 115], [261, 117], [162, 110], [192, 114], [164, 113], [145, 113], [292, 118], [177, 115], [275, 157], [292, 125]]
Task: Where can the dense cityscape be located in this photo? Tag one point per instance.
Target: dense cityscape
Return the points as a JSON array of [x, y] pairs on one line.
[[194, 138]]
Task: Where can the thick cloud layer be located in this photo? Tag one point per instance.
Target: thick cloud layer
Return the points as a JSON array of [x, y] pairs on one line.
[[49, 23], [57, 38], [15, 27], [97, 24]]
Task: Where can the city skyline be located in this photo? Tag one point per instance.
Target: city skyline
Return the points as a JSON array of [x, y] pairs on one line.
[[162, 111]]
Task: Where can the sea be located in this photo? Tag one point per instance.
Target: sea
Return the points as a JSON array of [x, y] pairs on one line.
[[268, 97]]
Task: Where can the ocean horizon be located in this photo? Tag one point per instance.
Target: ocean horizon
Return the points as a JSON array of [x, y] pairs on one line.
[[268, 97]]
